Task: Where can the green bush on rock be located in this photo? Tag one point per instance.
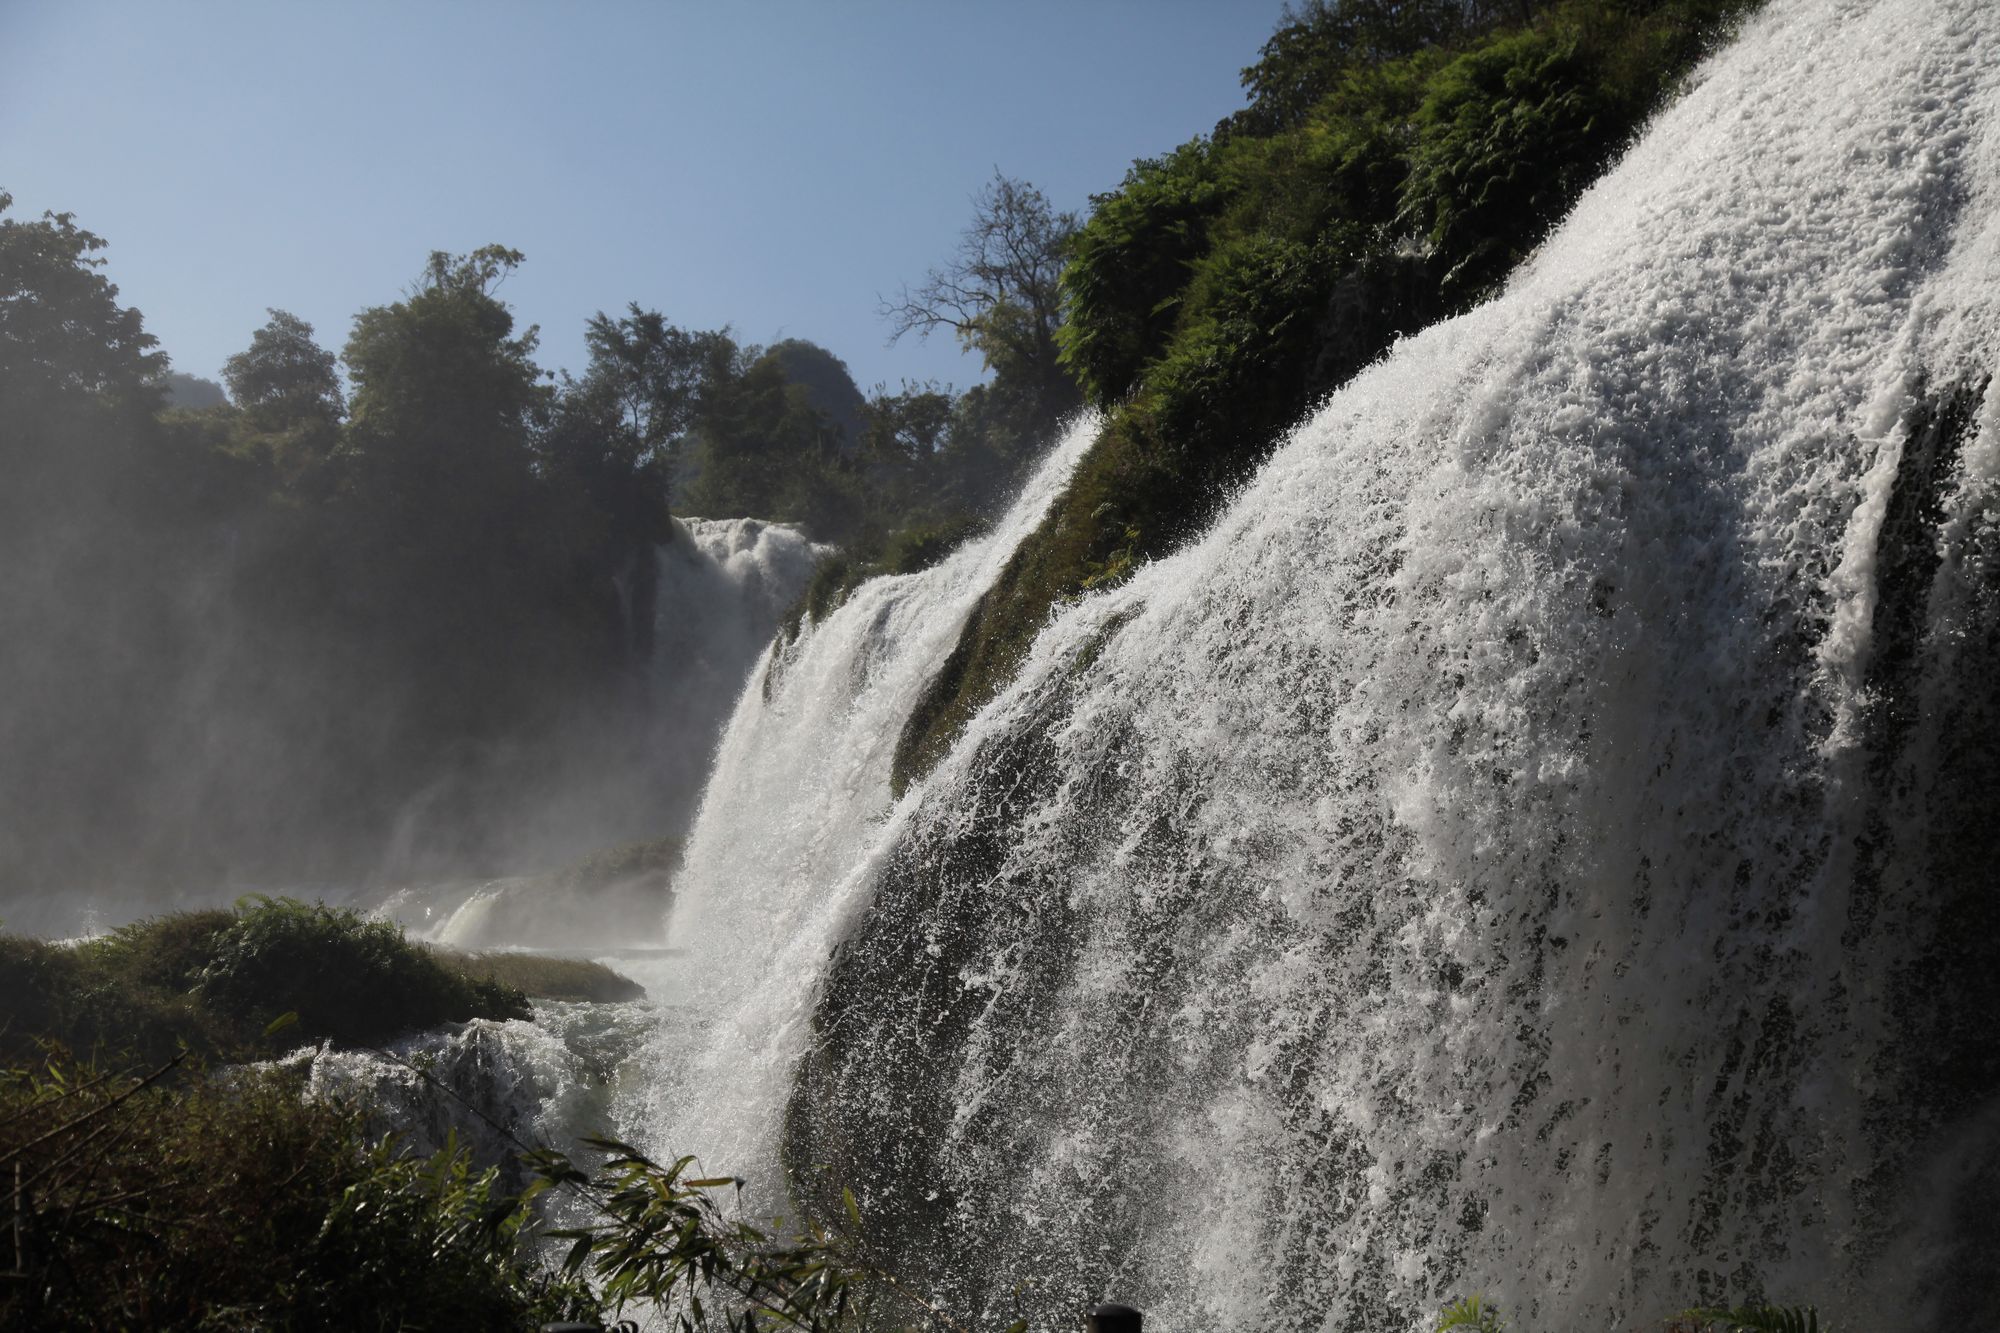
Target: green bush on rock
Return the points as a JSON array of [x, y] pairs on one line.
[[543, 977], [348, 978], [214, 981]]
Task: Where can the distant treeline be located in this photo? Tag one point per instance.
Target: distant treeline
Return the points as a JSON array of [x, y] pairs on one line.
[[379, 618], [387, 619]]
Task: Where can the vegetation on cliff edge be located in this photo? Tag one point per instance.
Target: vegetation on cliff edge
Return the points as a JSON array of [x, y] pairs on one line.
[[1394, 164]]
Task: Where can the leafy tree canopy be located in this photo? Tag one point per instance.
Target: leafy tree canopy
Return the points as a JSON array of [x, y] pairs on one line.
[[445, 393], [285, 378], [653, 372], [193, 392], [62, 330]]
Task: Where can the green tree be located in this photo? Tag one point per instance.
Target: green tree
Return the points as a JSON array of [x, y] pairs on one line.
[[653, 372], [107, 522], [1321, 41], [766, 450], [1001, 296], [62, 330], [444, 531], [193, 392], [289, 402], [284, 378], [446, 396]]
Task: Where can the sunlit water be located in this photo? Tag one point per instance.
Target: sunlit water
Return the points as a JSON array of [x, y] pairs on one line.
[[1508, 853], [1488, 858]]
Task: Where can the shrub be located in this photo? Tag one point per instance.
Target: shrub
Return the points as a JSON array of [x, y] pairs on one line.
[[350, 979], [215, 981], [662, 1238], [225, 1204], [69, 995]]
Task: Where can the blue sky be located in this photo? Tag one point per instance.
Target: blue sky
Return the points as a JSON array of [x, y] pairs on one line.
[[772, 166]]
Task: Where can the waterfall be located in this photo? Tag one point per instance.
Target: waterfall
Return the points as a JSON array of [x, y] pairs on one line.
[[1535, 843], [723, 586], [800, 787]]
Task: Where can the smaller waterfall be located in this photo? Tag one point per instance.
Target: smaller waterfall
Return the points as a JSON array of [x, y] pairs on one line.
[[724, 584], [720, 589], [799, 789]]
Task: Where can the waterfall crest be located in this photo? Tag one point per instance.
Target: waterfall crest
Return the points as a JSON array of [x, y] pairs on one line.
[[1530, 845]]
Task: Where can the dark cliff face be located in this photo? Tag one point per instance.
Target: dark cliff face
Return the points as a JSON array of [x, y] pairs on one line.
[[1929, 835]]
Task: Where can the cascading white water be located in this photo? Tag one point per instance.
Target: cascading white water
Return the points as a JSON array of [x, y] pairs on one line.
[[721, 588], [1511, 851], [724, 585], [799, 789]]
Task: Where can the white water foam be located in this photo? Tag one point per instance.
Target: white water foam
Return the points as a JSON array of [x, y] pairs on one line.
[[724, 585], [799, 791], [1460, 869]]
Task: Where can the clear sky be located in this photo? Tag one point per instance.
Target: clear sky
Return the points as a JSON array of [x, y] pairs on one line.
[[771, 165]]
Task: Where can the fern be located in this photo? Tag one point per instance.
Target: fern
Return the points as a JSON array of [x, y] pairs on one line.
[[1756, 1319], [1470, 1313]]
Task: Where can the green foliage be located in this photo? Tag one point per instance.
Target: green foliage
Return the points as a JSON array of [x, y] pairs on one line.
[[1130, 265], [445, 396], [348, 978], [765, 448], [653, 371], [1471, 1313], [89, 1001], [1397, 160], [921, 545], [411, 611], [204, 1203], [833, 578], [214, 981], [439, 1234], [1321, 41], [284, 378], [663, 1238], [62, 330], [1000, 294], [192, 391], [907, 550], [542, 977], [259, 642]]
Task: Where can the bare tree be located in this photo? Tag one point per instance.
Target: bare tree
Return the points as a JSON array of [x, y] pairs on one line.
[[999, 294]]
